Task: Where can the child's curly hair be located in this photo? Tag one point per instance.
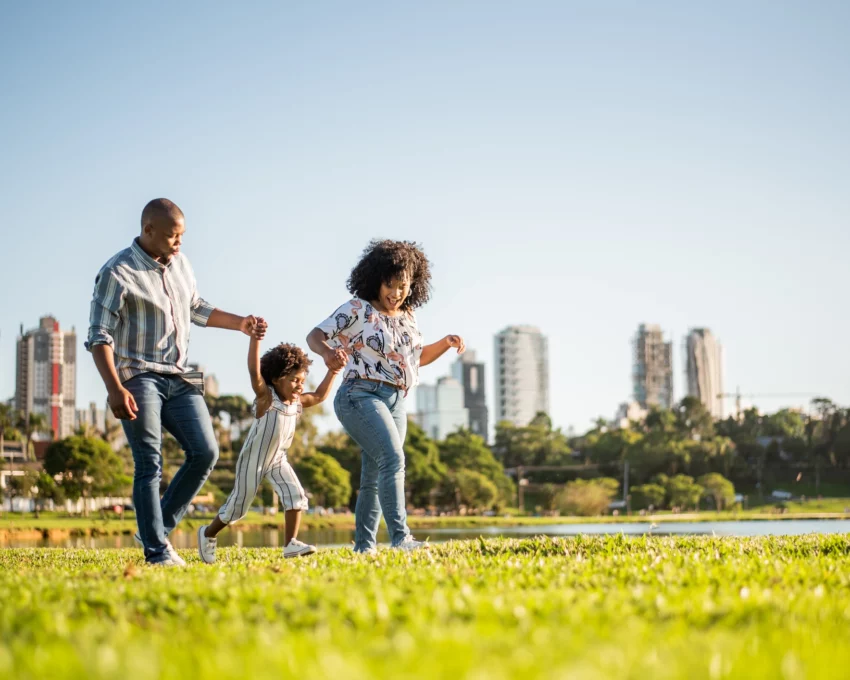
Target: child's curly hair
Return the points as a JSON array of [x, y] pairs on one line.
[[283, 360], [384, 260]]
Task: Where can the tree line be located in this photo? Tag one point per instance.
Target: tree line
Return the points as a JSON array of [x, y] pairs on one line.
[[677, 458]]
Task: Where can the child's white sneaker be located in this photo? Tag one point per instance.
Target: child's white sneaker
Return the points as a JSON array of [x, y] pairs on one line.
[[298, 549], [206, 546], [410, 544]]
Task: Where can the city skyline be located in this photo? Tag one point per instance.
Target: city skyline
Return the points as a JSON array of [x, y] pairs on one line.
[[576, 167]]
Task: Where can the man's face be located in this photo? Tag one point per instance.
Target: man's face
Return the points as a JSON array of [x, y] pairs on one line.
[[164, 239]]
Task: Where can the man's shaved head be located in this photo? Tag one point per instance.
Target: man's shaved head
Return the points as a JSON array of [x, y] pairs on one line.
[[160, 212], [162, 229]]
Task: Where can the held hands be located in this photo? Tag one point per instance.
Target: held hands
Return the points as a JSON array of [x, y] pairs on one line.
[[255, 326], [122, 404], [335, 359], [456, 341]]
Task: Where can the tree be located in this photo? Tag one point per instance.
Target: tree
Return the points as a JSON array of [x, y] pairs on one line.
[[465, 450], [88, 467], [21, 485], [474, 490], [424, 472], [326, 479], [34, 424], [587, 497], [719, 489], [346, 452], [534, 444], [693, 420], [648, 496], [46, 489], [682, 492]]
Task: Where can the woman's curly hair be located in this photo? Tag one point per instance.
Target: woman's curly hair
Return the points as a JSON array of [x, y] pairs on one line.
[[384, 260], [283, 360]]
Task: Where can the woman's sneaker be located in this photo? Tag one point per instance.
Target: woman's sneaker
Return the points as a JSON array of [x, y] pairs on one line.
[[409, 544], [298, 549], [206, 546]]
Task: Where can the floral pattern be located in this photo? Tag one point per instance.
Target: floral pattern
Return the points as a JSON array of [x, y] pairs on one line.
[[379, 347]]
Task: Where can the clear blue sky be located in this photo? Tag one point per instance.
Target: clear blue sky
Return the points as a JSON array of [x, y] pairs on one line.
[[580, 166]]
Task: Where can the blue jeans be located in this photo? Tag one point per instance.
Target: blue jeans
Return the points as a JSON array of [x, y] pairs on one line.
[[167, 401], [374, 416]]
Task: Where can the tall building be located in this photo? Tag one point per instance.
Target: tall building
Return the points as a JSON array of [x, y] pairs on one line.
[[440, 409], [46, 375], [522, 374], [470, 374], [92, 416], [653, 368], [704, 361]]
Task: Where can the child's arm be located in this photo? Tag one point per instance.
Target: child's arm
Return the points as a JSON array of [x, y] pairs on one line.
[[432, 352], [322, 391], [258, 385]]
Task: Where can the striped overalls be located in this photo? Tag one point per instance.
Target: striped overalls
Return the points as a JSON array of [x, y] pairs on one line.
[[264, 455]]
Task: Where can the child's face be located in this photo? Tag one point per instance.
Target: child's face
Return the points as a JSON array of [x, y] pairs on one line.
[[395, 292], [291, 385]]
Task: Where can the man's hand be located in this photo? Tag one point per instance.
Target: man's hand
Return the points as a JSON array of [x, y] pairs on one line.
[[335, 359], [122, 404], [456, 341], [255, 326]]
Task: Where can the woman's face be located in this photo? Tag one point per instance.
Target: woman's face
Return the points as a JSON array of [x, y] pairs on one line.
[[394, 292]]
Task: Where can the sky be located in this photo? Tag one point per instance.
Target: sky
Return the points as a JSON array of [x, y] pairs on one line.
[[583, 167]]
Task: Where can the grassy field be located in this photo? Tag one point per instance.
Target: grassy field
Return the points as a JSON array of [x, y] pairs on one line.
[[13, 524], [535, 608]]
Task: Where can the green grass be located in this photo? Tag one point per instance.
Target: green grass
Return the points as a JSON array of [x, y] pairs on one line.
[[536, 608]]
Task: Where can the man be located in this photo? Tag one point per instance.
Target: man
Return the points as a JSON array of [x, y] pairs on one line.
[[145, 298]]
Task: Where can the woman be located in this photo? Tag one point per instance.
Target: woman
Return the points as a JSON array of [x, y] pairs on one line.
[[378, 332]]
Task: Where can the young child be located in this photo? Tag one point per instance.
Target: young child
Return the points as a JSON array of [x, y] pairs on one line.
[[277, 380]]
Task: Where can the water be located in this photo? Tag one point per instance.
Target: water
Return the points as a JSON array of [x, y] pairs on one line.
[[333, 537]]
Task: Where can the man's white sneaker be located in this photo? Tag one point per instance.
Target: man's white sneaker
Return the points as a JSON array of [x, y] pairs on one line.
[[368, 551], [206, 546], [409, 544], [297, 549], [172, 553], [167, 562]]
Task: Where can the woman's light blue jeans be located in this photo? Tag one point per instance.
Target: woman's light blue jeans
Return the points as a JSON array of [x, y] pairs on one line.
[[374, 416]]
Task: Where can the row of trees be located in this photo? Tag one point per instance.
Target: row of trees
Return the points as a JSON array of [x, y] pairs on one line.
[[746, 450], [677, 458]]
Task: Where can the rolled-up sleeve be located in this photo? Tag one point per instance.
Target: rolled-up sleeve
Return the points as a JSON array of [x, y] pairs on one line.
[[201, 309], [106, 304]]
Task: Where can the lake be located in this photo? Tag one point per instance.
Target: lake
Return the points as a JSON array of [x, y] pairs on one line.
[[334, 537]]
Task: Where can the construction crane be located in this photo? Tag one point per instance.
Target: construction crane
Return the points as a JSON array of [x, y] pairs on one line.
[[738, 396]]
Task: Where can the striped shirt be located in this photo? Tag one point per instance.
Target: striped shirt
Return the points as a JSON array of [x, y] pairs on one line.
[[143, 309]]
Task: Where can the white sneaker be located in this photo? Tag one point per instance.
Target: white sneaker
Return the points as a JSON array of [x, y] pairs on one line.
[[172, 553], [168, 562], [409, 544], [368, 551], [206, 546], [297, 549]]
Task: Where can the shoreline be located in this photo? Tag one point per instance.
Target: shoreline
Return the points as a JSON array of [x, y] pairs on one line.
[[58, 528]]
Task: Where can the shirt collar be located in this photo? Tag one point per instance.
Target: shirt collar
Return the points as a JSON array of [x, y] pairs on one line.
[[146, 259]]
